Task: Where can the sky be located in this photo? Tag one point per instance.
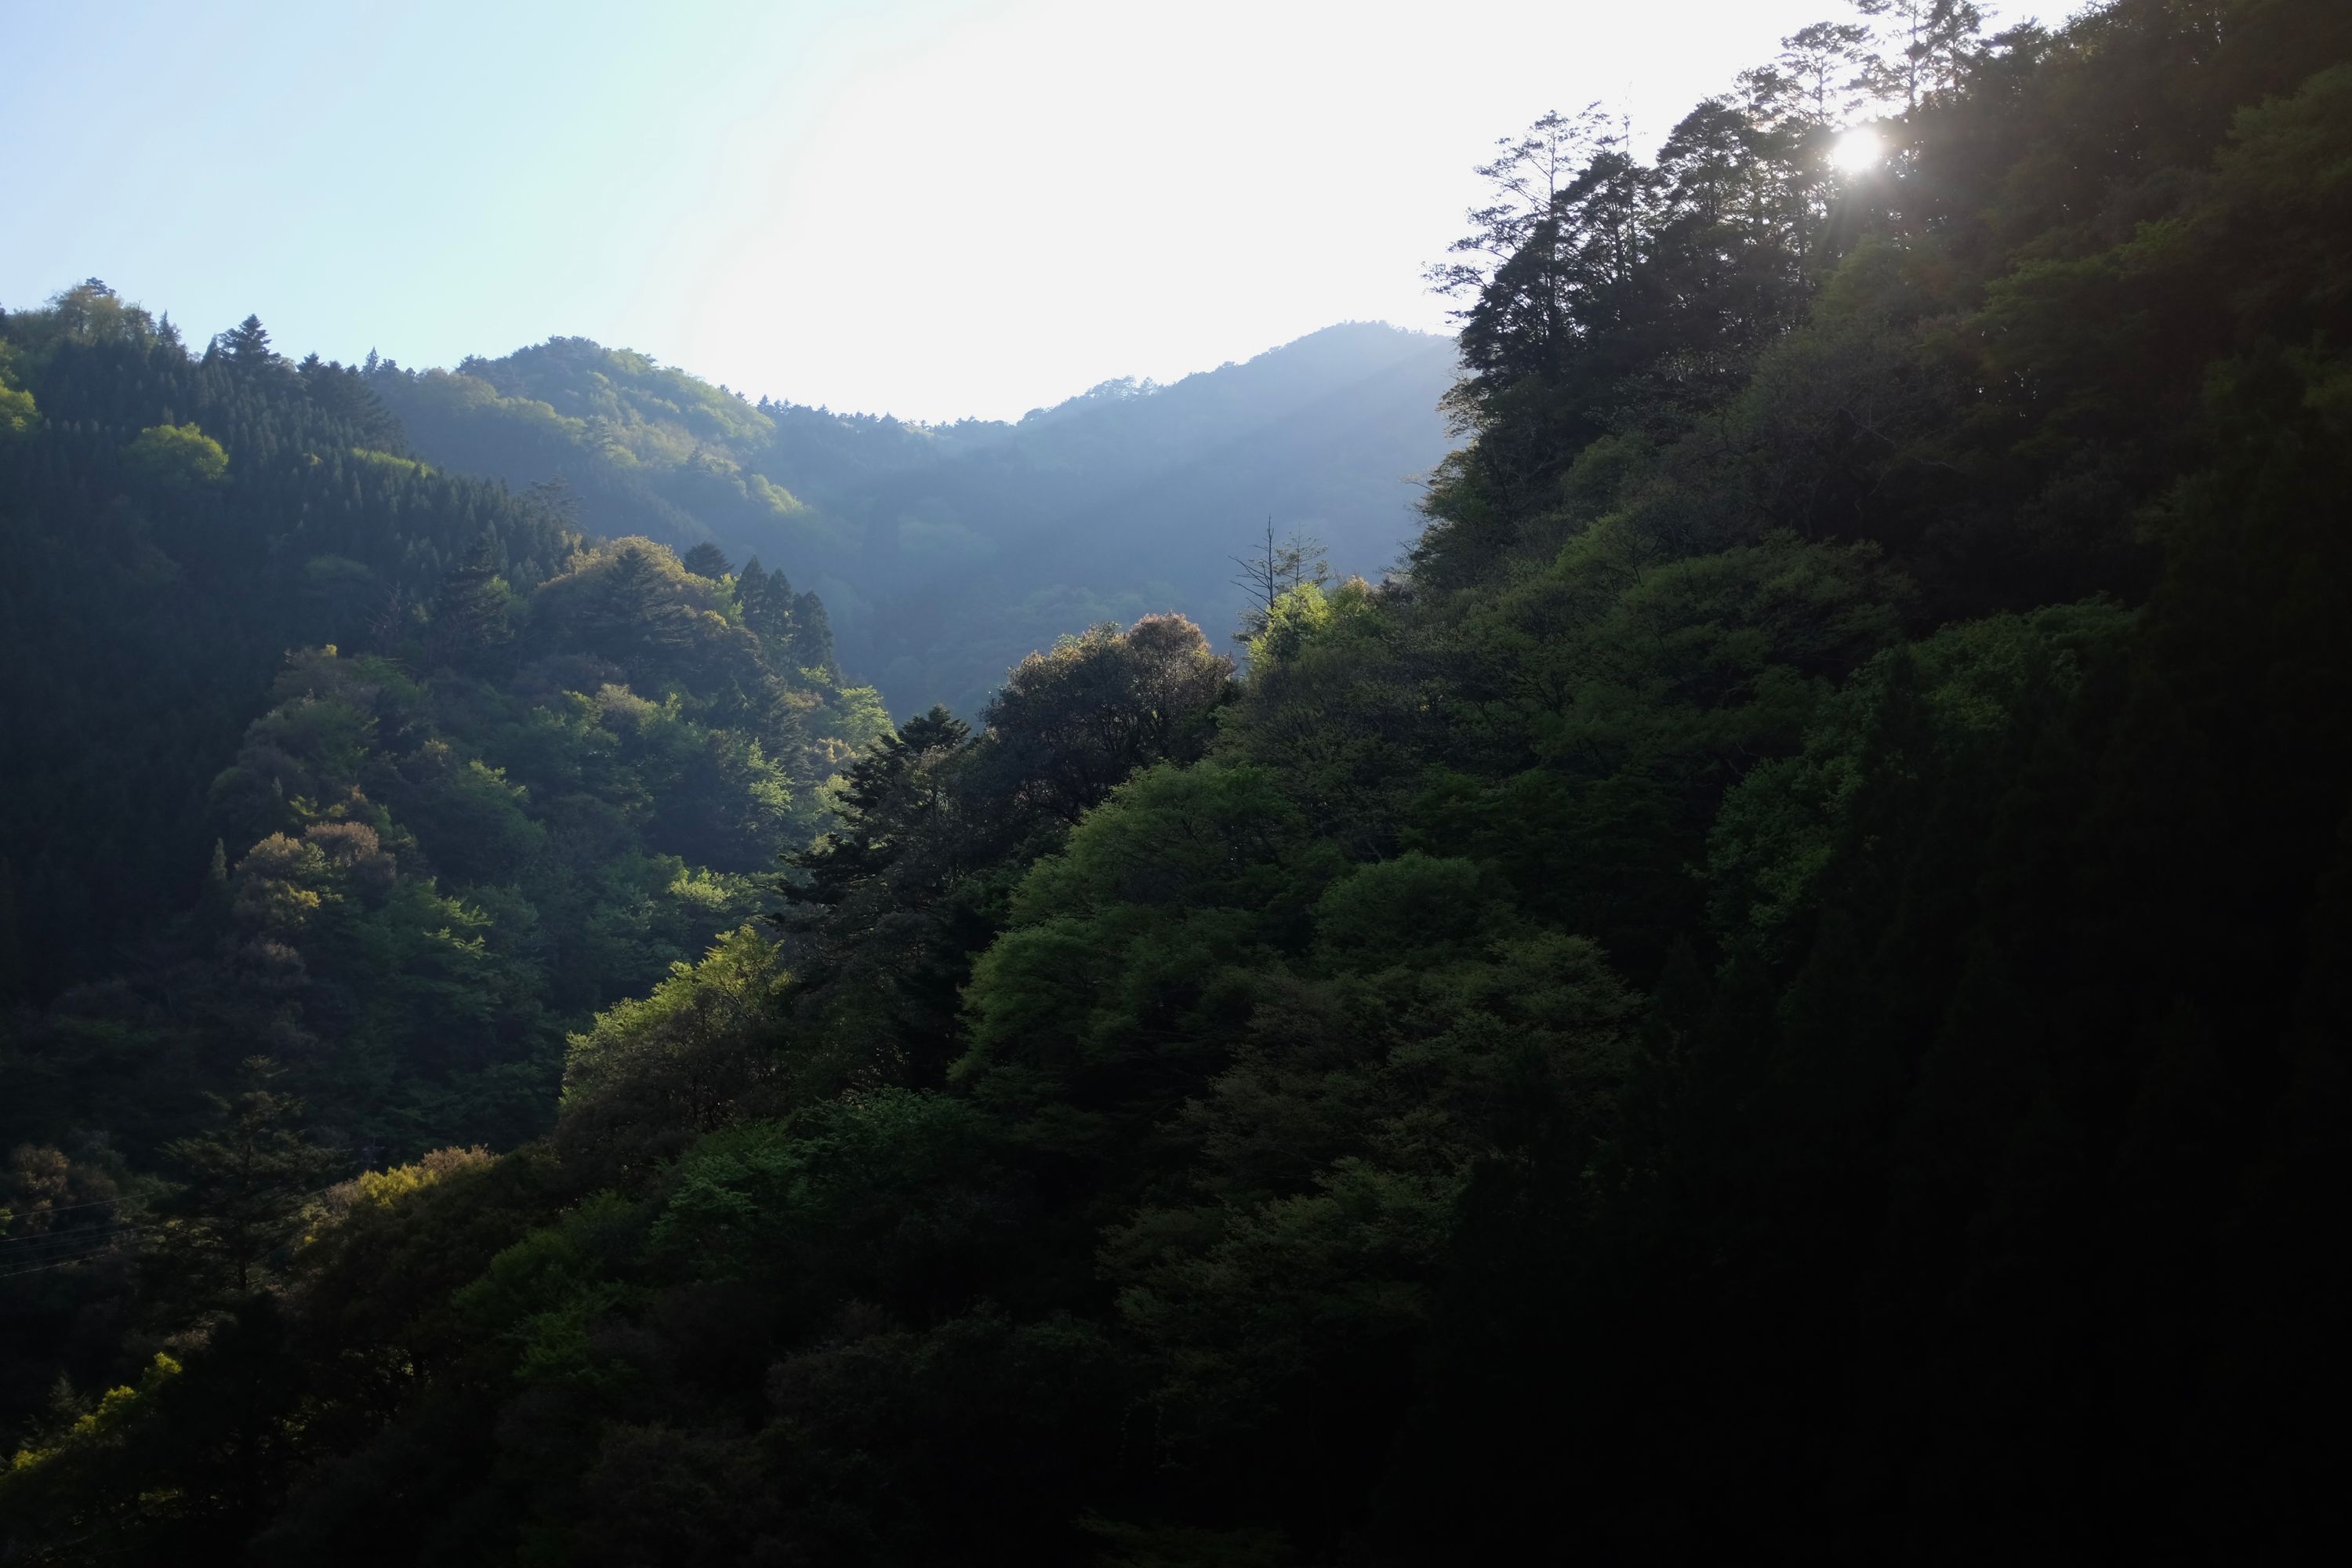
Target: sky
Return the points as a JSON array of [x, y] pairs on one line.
[[933, 208]]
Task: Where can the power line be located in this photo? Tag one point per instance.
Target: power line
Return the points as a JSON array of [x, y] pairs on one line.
[[39, 1267], [69, 1242], [70, 1230], [28, 1244], [69, 1208], [17, 1244]]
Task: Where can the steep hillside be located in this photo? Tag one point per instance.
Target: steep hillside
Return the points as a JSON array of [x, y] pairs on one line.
[[644, 449], [334, 779], [1780, 995]]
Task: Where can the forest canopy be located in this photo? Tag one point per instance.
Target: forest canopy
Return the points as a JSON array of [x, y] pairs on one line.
[[1775, 989]]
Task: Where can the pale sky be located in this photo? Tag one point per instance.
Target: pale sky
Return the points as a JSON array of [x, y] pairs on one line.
[[926, 208]]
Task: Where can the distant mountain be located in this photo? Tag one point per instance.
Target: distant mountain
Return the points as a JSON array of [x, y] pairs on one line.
[[641, 450], [945, 552]]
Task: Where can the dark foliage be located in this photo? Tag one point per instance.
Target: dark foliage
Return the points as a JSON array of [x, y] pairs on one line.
[[1780, 995]]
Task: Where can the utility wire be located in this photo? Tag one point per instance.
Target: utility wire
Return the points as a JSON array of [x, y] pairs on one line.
[[71, 1230], [69, 1208], [85, 1230], [94, 1219], [21, 1244], [39, 1267]]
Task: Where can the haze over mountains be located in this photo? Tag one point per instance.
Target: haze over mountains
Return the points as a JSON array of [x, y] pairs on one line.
[[945, 552]]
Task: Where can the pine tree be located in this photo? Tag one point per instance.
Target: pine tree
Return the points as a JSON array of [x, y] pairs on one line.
[[247, 346], [632, 615], [470, 630], [811, 635], [707, 560], [887, 797], [767, 601], [244, 1182], [750, 583]]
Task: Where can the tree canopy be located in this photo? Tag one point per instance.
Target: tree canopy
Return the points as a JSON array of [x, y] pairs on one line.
[[1774, 990]]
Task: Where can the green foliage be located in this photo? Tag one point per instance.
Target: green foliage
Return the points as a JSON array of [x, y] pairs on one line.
[[1337, 1147], [1971, 697], [649, 449], [1306, 614], [707, 560], [1129, 965], [1070, 724], [654, 1073], [174, 458], [450, 833], [18, 416], [890, 1198], [1796, 960], [243, 1185], [69, 1492]]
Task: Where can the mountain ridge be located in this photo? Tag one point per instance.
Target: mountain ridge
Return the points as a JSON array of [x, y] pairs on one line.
[[880, 513]]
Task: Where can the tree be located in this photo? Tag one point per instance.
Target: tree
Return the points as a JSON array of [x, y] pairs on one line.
[[707, 560], [767, 601], [632, 614], [176, 460], [1928, 39], [247, 346], [891, 799], [1818, 63], [650, 1074], [810, 631], [554, 495], [1074, 722], [880, 903], [18, 416], [1274, 568], [343, 394], [244, 1182], [1525, 182], [469, 627]]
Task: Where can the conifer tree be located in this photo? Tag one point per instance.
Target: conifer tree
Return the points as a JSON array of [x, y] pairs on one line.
[[470, 630], [767, 601], [244, 1182], [889, 798], [811, 634], [246, 345], [631, 616], [707, 560]]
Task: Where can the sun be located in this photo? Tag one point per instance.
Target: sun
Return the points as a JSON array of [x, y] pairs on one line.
[[1857, 150]]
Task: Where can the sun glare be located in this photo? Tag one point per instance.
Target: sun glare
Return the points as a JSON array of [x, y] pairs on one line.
[[1856, 151]]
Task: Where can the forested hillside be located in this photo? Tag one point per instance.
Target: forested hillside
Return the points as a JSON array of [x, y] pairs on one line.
[[945, 552], [318, 755], [1779, 993]]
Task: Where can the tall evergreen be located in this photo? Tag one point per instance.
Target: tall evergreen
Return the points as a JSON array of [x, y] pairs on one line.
[[707, 560], [245, 1181], [468, 625], [809, 632], [247, 346]]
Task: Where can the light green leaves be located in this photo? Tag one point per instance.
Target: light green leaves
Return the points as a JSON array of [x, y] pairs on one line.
[[175, 459]]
